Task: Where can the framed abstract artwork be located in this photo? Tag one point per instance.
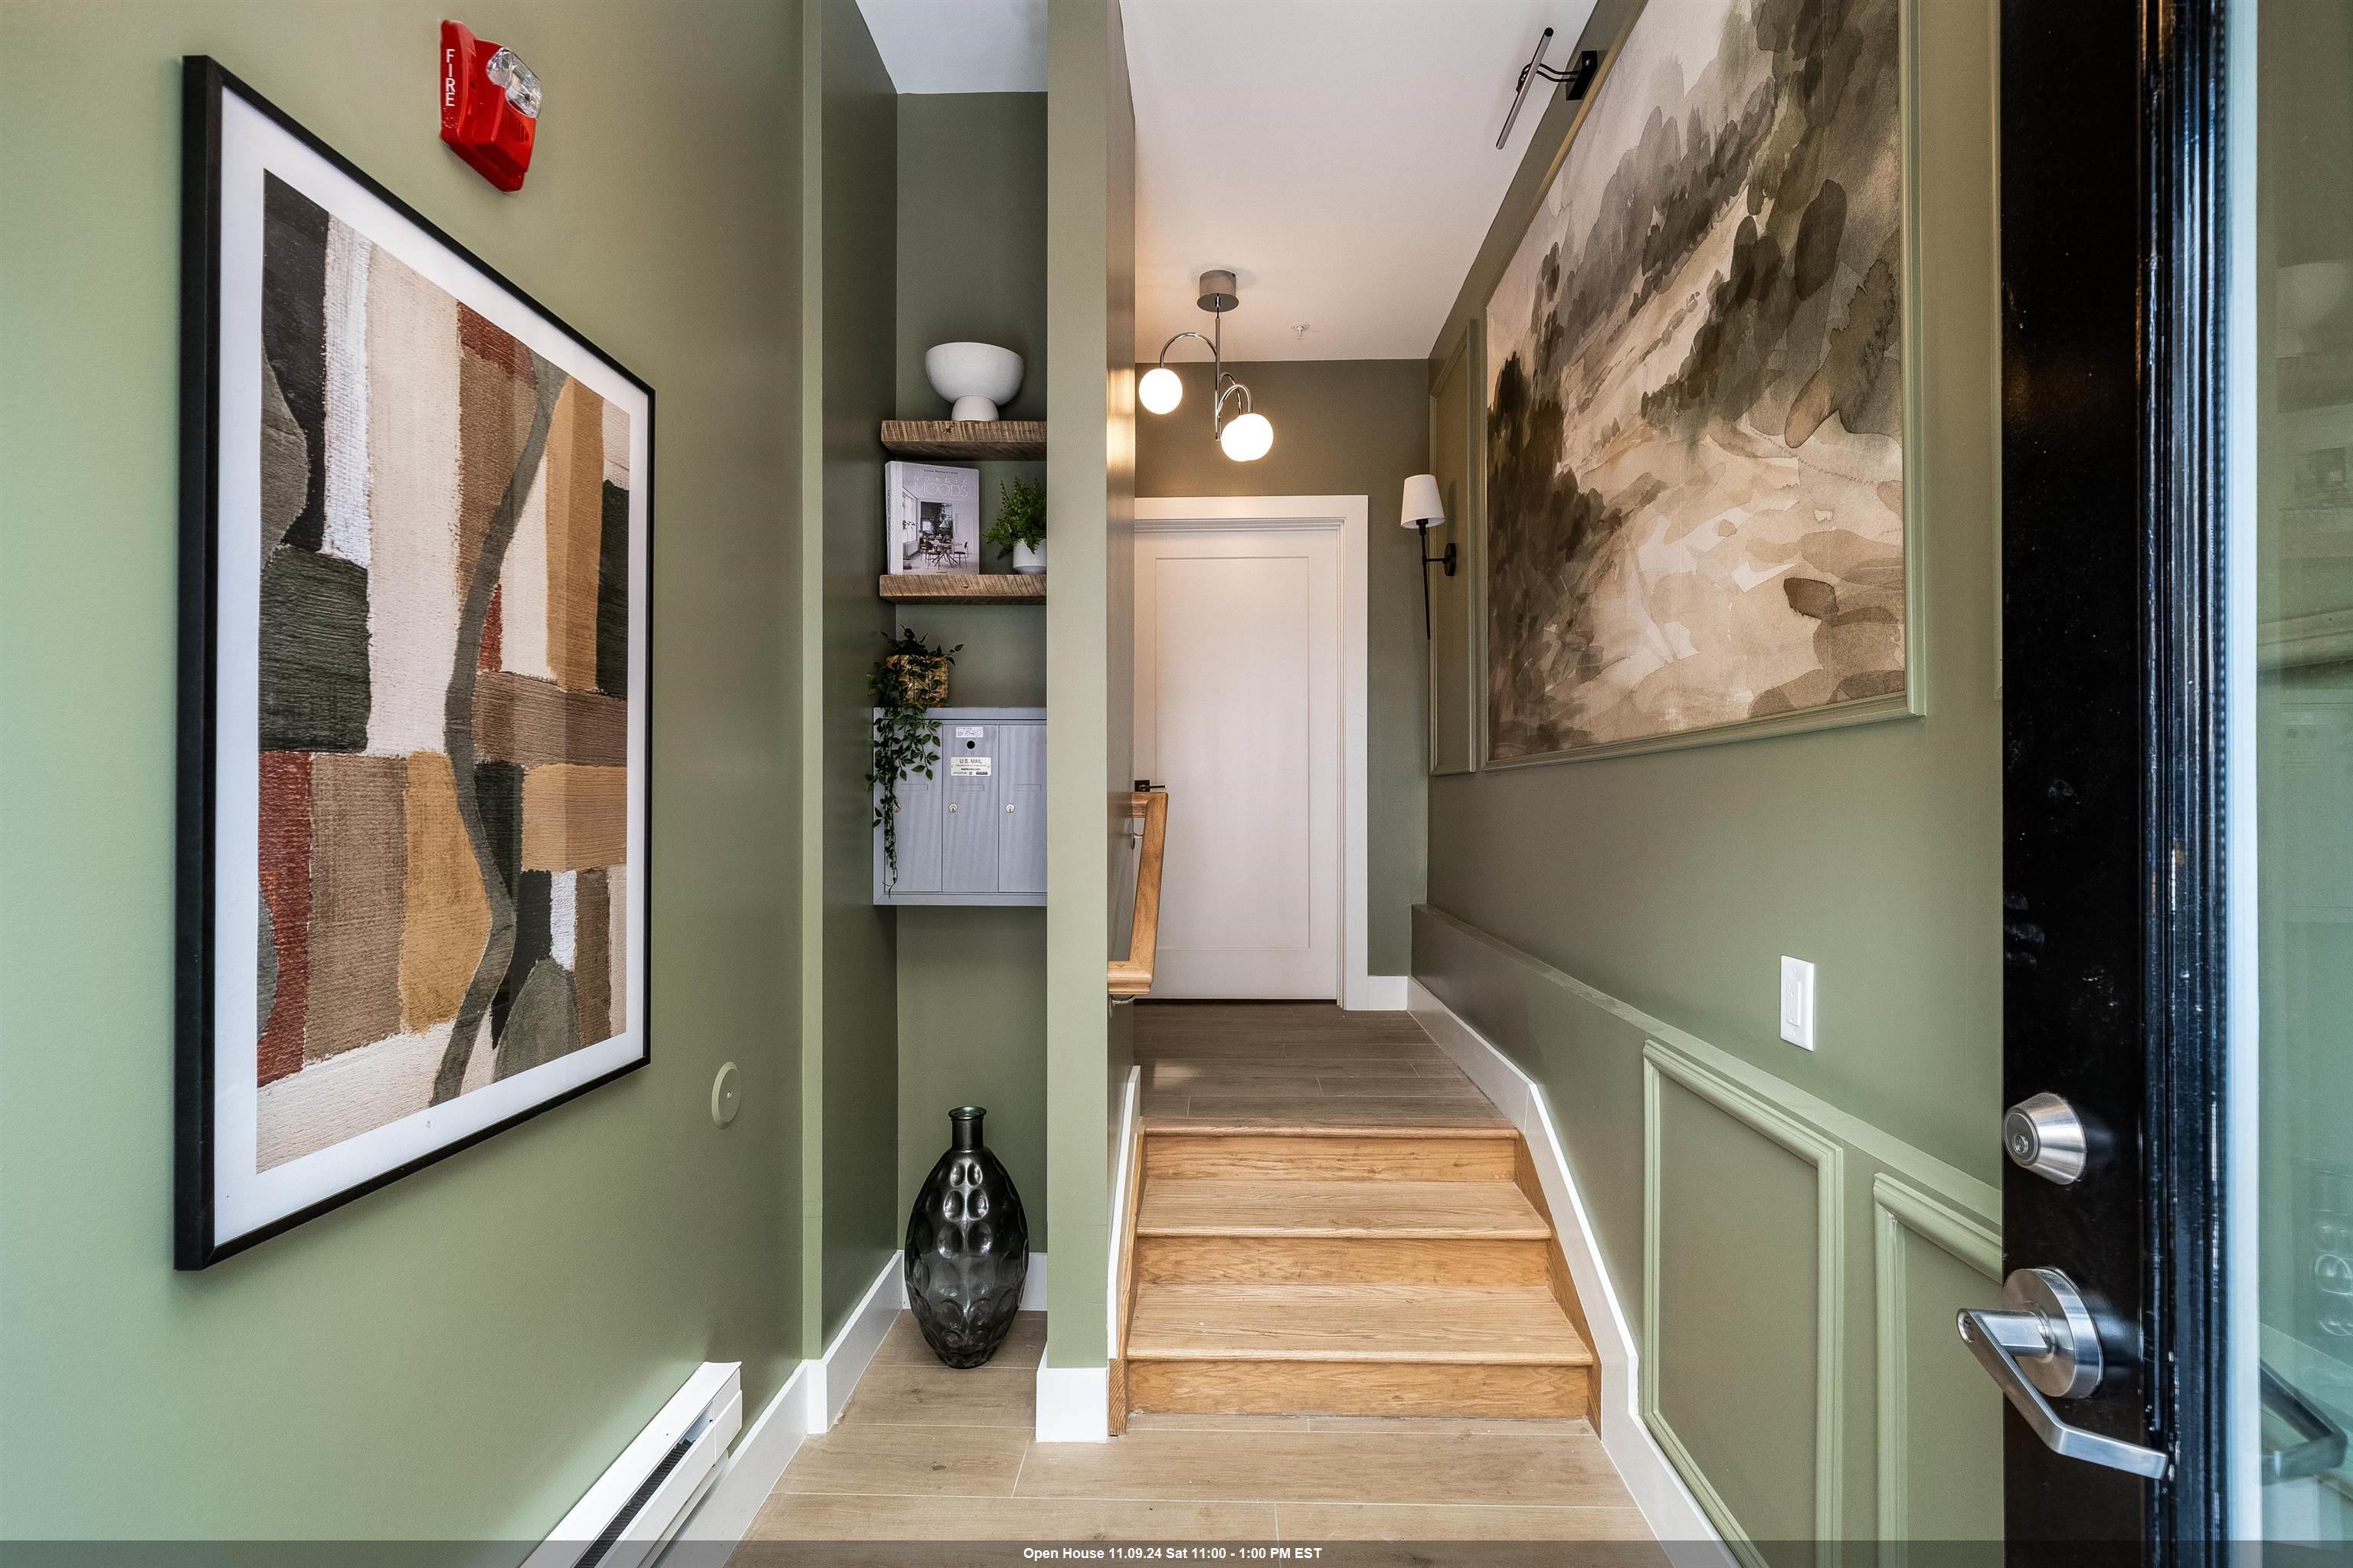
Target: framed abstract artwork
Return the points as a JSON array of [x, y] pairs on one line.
[[1699, 395], [416, 515]]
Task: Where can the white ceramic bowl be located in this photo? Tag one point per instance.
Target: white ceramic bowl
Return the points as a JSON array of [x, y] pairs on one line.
[[974, 377]]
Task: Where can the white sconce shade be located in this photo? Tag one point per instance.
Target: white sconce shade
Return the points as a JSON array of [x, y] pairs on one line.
[[1160, 390], [1421, 503], [1248, 437]]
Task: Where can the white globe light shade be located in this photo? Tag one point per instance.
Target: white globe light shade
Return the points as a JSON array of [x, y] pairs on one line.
[[1248, 437], [1160, 390]]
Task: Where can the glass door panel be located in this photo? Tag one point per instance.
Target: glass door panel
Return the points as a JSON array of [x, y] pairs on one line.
[[2294, 1358]]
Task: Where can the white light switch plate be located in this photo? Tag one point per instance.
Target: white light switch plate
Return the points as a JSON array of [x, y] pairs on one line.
[[1797, 1003]]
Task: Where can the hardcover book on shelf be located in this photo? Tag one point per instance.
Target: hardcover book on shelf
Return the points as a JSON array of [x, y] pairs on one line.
[[930, 517]]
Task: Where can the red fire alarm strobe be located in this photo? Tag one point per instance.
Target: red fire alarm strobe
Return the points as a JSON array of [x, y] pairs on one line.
[[490, 106]]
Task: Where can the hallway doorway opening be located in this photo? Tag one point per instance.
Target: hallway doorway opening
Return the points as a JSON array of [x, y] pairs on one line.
[[1250, 708]]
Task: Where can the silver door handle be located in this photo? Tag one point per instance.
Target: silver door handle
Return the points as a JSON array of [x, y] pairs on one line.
[[2045, 1321]]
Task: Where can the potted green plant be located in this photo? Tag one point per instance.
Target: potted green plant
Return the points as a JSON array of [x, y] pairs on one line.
[[1020, 525], [908, 680]]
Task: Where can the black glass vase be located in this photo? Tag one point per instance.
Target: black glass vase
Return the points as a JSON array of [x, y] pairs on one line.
[[967, 1248]]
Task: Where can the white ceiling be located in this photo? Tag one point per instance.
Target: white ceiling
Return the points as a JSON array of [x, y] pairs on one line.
[[960, 45], [1338, 155]]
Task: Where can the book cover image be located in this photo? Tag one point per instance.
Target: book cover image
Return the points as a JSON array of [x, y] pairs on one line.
[[931, 515]]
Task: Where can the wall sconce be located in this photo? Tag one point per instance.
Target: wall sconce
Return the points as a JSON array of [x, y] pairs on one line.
[[1422, 511], [1245, 438]]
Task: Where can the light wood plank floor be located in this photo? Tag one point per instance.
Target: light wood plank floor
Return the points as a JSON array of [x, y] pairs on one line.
[[928, 1454], [1297, 1063]]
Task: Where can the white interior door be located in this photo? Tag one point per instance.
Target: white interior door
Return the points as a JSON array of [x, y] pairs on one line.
[[1238, 711]]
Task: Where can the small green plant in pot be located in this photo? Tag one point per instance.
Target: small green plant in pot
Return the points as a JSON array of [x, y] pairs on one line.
[[1020, 525], [911, 677]]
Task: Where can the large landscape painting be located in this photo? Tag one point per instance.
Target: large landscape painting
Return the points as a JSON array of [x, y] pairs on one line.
[[1695, 410]]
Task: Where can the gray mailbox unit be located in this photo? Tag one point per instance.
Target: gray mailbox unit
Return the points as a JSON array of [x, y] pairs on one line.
[[975, 832]]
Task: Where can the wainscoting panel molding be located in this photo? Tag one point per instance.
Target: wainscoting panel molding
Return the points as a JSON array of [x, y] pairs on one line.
[[1776, 1128], [1956, 1419], [1779, 1254]]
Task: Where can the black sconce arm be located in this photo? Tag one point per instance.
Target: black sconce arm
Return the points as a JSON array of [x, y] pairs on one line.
[[1446, 559]]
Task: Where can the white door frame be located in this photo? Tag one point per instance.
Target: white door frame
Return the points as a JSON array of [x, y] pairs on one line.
[[1347, 517]]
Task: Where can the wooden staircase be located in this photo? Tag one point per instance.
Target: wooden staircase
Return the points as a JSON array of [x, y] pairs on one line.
[[1346, 1271]]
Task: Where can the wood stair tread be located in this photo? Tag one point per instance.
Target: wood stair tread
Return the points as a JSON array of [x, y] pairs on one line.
[[1458, 1130], [1385, 1210], [1426, 1324]]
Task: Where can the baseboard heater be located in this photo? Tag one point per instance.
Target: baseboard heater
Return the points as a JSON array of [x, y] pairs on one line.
[[631, 1514]]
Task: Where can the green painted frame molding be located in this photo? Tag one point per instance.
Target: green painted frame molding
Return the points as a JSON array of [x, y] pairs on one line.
[[1662, 1063], [1912, 701], [1898, 1208], [1578, 1044], [1466, 348]]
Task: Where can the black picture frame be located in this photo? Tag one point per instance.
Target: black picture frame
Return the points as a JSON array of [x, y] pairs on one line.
[[205, 85]]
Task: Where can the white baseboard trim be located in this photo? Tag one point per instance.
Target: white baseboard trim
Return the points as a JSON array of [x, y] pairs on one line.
[[1033, 1285], [1073, 1404], [749, 1474], [1384, 993], [809, 1404], [846, 1358], [1125, 1141], [1667, 1504]]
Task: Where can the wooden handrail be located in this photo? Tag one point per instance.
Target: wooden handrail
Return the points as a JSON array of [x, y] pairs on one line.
[[1132, 976]]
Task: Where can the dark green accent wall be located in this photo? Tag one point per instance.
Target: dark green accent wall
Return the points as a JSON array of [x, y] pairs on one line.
[[856, 157], [972, 266], [1675, 881], [458, 1355], [1341, 428]]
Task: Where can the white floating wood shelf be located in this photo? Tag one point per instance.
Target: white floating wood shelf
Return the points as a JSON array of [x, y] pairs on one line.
[[964, 587], [966, 440]]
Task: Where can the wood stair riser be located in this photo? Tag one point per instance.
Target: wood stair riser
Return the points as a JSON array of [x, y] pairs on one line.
[[1337, 1260], [1364, 1158], [1254, 1387]]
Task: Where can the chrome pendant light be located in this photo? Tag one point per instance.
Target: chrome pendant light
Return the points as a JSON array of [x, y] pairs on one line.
[[1246, 436]]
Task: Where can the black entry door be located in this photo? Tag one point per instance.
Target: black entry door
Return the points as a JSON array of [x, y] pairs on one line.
[[2177, 278], [2111, 542]]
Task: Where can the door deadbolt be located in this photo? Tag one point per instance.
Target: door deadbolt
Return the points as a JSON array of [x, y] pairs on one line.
[[2043, 1134]]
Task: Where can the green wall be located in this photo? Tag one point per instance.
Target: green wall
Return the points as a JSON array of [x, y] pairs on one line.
[[971, 237], [849, 234], [1790, 1232], [1341, 428], [459, 1354], [972, 266], [972, 1030], [1676, 880], [1090, 312]]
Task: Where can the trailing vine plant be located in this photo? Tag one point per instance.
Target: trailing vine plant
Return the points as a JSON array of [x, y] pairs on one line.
[[912, 676]]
